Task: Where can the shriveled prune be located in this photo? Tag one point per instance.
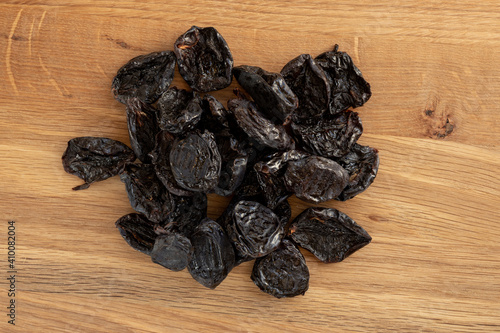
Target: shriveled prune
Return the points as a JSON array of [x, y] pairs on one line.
[[362, 165], [315, 179], [310, 85], [331, 136], [94, 159], [172, 250], [254, 229], [142, 128], [348, 87], [233, 165], [258, 127], [137, 231], [204, 59], [187, 213], [196, 162], [269, 91], [145, 77], [329, 234], [179, 110], [213, 254], [283, 272], [215, 115], [146, 193]]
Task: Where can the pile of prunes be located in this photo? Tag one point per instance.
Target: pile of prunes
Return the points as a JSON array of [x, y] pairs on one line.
[[283, 134]]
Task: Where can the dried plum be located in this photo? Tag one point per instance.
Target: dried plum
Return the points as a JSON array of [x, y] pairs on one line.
[[179, 110], [142, 128], [172, 250], [137, 231]]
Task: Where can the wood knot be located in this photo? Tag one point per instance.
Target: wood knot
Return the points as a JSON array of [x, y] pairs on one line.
[[439, 126]]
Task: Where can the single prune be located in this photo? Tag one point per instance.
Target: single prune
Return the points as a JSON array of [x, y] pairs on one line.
[[362, 165], [187, 213], [283, 272], [94, 159], [196, 162], [137, 231], [269, 91], [329, 234], [233, 164], [204, 59], [310, 85], [172, 250], [348, 87], [142, 128], [179, 110], [215, 115], [213, 254], [146, 193], [315, 179], [330, 137], [145, 77]]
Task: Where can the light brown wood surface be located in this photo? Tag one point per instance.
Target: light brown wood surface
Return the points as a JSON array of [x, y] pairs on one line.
[[433, 211]]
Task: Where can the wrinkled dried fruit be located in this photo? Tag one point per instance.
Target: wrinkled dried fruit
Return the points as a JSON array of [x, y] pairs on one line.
[[329, 234], [187, 213], [137, 231], [233, 165], [145, 77], [283, 272], [213, 254], [179, 110], [142, 128], [94, 159], [172, 250], [204, 59]]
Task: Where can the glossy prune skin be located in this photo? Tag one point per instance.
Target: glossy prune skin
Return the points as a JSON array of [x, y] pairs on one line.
[[283, 272], [255, 230], [315, 179], [348, 87], [328, 233], [146, 193], [196, 162], [234, 161], [142, 128], [204, 59], [179, 110], [137, 231], [310, 84], [269, 91], [93, 159], [213, 255], [144, 77], [187, 213], [362, 165], [172, 250], [332, 136]]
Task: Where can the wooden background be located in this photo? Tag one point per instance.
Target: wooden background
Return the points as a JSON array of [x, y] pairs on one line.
[[433, 211]]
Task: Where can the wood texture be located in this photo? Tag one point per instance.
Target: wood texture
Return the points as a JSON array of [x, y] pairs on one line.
[[434, 262]]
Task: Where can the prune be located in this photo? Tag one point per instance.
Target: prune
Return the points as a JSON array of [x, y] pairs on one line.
[[137, 231], [179, 110], [310, 85], [142, 128], [283, 272], [146, 193], [187, 213], [330, 137], [233, 165], [204, 59], [213, 254], [315, 179], [94, 159], [215, 116], [196, 162], [329, 234], [145, 77], [254, 229], [362, 165], [172, 250], [258, 127], [348, 87], [269, 91]]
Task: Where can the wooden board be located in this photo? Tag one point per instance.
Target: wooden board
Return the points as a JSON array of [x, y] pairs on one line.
[[433, 211]]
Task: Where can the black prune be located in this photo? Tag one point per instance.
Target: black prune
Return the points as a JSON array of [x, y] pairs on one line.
[[283, 272], [137, 231], [187, 213], [213, 254], [172, 250], [315, 179], [233, 165], [204, 59], [94, 159], [348, 87], [142, 128], [179, 110], [146, 193], [145, 77], [362, 165], [329, 234], [196, 162]]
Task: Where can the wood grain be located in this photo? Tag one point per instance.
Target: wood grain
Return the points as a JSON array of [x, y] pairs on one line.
[[434, 262]]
